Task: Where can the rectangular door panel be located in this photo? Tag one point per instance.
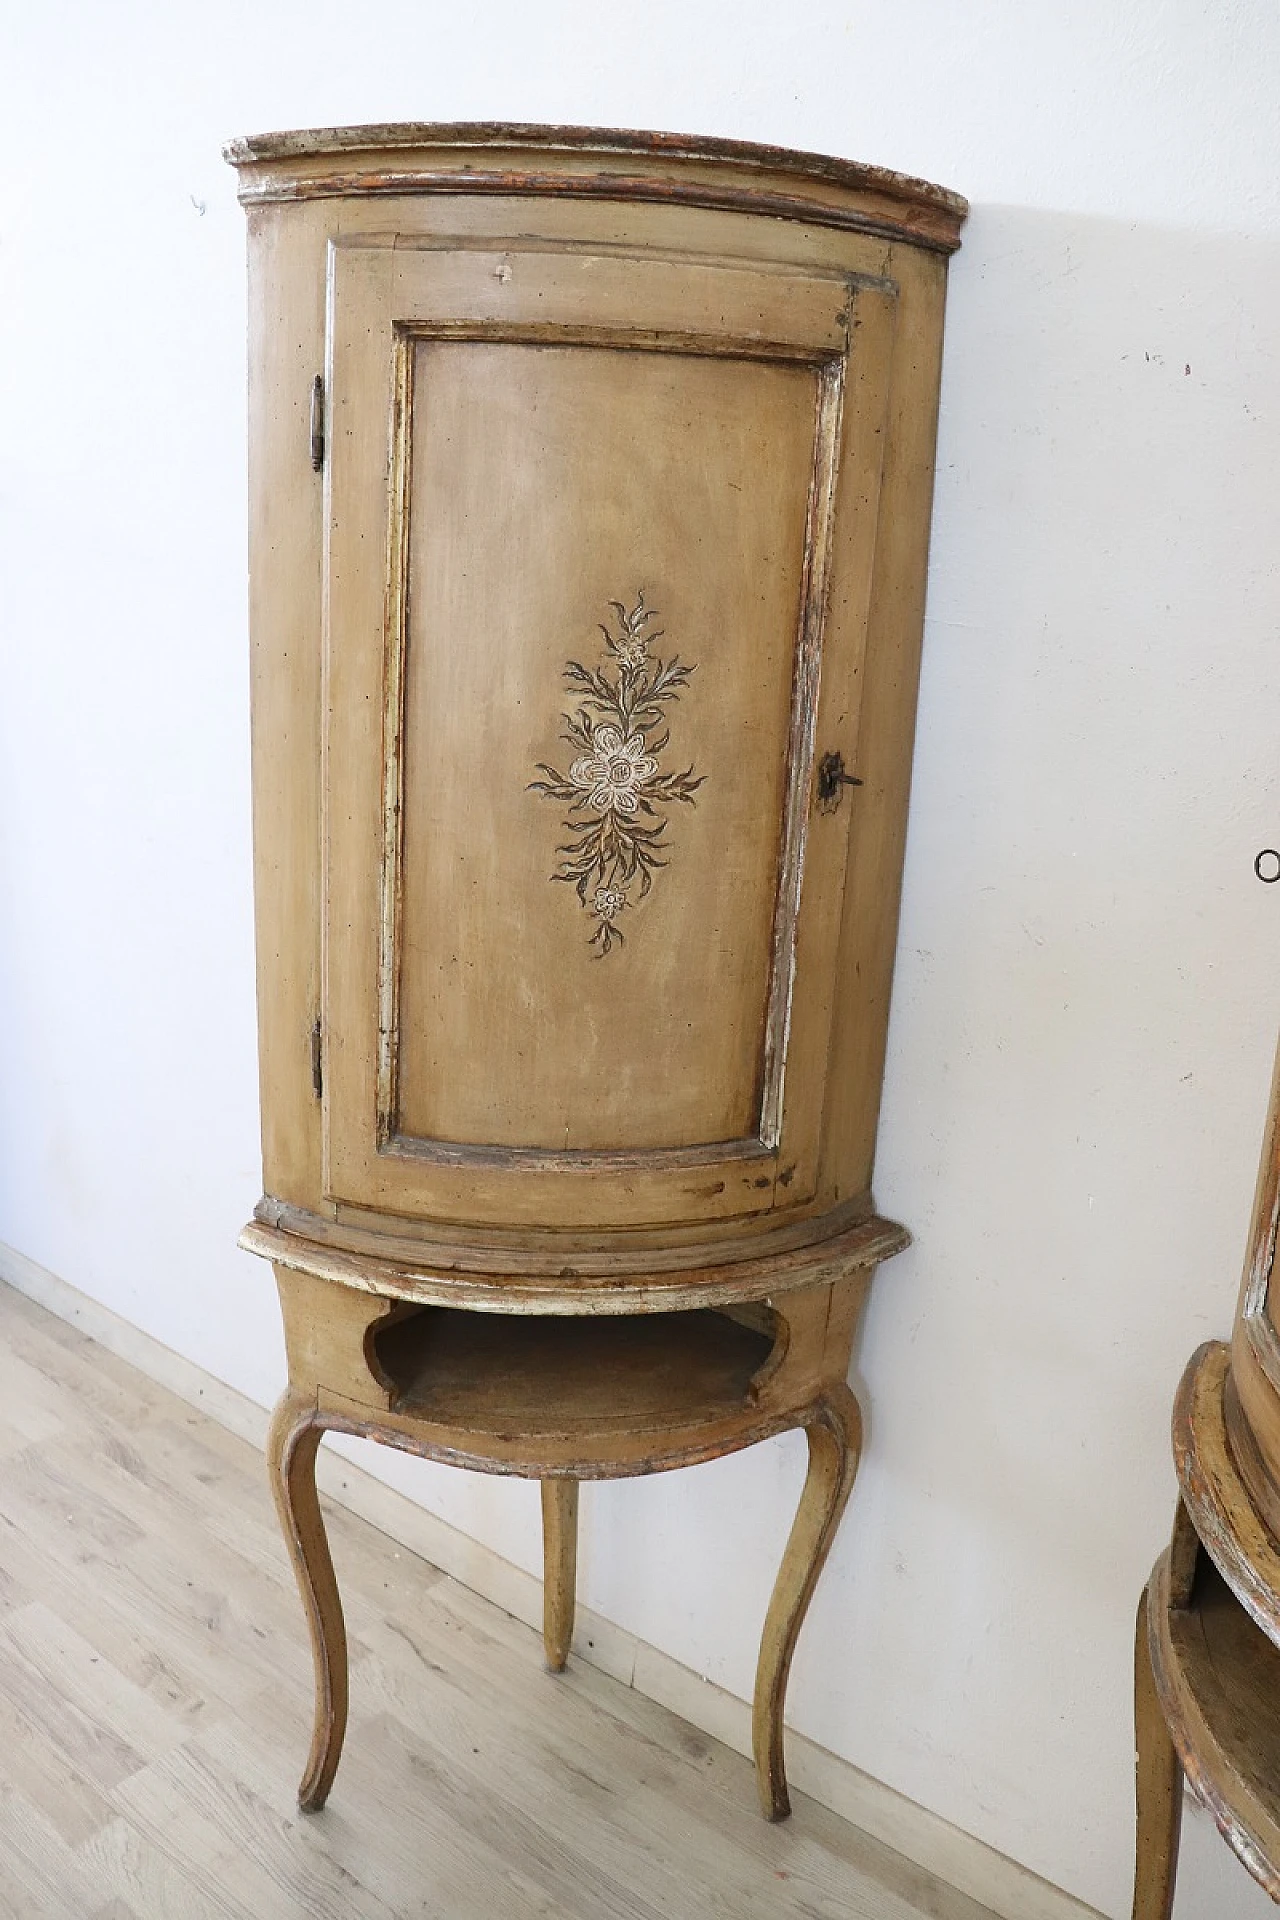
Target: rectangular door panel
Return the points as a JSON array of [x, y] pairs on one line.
[[604, 572], [600, 533]]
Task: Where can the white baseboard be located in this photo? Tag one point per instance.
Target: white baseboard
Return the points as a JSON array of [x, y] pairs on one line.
[[1010, 1891]]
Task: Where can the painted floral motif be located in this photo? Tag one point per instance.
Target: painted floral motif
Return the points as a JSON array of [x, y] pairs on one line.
[[615, 789], [607, 903], [612, 774]]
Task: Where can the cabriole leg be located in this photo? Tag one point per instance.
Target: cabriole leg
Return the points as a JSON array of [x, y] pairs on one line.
[[1158, 1775], [559, 1568], [835, 1441], [291, 1458]]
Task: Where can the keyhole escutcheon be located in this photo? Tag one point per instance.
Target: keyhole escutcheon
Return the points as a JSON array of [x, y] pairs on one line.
[[831, 778]]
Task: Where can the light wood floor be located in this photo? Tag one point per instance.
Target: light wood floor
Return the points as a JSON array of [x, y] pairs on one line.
[[155, 1702]]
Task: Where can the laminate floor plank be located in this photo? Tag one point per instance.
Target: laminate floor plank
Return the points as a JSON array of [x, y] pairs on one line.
[[567, 1786], [98, 1752], [221, 1625], [102, 1382], [40, 1874], [32, 1406], [155, 1706], [171, 1653], [148, 1881], [54, 1782], [257, 1854], [483, 1654], [426, 1846], [547, 1790]]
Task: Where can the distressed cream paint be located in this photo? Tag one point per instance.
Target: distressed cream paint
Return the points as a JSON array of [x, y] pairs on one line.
[[1085, 1003]]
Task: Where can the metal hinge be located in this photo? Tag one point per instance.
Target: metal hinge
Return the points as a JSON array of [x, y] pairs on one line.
[[317, 1061], [317, 423]]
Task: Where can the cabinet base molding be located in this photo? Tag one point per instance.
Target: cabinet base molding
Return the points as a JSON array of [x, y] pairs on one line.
[[806, 1254], [963, 1861]]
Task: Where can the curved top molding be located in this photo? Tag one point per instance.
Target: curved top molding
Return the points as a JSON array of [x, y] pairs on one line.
[[506, 158]]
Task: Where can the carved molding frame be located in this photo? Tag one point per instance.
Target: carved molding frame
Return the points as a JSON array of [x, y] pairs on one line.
[[830, 368]]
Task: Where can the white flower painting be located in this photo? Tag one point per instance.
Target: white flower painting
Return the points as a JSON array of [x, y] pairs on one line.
[[611, 776], [615, 792]]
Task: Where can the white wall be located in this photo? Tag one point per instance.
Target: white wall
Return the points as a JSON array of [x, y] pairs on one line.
[[1085, 1003]]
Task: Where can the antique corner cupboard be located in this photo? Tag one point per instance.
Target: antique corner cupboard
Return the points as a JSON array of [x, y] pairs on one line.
[[1207, 1656], [590, 483]]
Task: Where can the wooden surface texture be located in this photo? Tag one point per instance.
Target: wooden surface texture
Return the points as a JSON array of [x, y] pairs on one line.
[[1157, 1784], [154, 1681], [614, 1284], [671, 169], [483, 134], [1253, 1400], [586, 639], [643, 445], [559, 1569], [537, 1374], [579, 437], [1211, 1660], [1217, 1496], [592, 1397], [441, 1054], [1207, 1659], [1218, 1678], [563, 1399]]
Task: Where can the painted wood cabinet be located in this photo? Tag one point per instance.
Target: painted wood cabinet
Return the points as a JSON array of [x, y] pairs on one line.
[[590, 493], [1207, 1653]]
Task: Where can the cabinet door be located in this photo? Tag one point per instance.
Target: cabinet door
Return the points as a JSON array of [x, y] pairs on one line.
[[600, 532]]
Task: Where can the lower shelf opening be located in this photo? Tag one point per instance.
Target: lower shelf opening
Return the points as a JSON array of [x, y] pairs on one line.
[[534, 1374]]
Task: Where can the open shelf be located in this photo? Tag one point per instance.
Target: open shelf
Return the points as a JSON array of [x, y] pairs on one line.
[[1219, 1681], [542, 1376]]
